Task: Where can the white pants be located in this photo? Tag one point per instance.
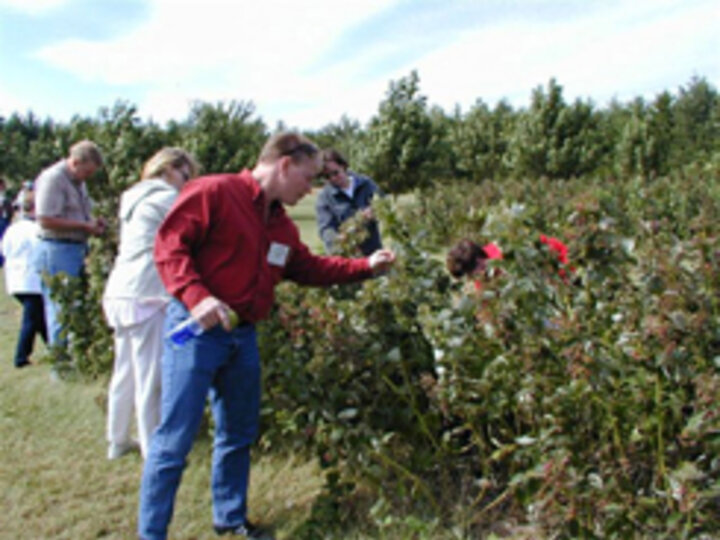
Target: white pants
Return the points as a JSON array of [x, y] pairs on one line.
[[135, 383]]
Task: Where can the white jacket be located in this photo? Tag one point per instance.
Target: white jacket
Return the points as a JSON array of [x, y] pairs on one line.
[[142, 210], [20, 248]]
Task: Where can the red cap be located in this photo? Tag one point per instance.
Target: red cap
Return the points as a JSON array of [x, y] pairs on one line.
[[492, 251]]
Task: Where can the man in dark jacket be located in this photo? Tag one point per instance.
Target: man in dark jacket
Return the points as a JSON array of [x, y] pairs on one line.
[[345, 194]]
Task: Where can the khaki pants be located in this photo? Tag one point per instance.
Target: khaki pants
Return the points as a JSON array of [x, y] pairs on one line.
[[135, 383]]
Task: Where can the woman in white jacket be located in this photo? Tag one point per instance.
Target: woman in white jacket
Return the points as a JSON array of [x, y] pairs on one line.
[[22, 277], [135, 299]]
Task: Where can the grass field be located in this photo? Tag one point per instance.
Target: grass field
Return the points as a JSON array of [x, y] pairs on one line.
[[55, 481], [304, 215]]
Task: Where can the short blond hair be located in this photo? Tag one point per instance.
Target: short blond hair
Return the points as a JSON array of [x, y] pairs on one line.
[[169, 157], [288, 144], [86, 151]]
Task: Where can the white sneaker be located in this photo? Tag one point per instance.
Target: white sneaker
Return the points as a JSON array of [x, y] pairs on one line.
[[116, 451]]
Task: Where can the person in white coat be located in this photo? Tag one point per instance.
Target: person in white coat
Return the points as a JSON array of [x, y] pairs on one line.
[[135, 299], [20, 246]]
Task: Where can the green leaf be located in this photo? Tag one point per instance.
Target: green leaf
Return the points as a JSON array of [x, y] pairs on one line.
[[348, 414]]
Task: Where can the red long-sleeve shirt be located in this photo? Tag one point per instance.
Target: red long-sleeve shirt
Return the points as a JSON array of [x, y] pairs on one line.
[[561, 250], [557, 246], [214, 242]]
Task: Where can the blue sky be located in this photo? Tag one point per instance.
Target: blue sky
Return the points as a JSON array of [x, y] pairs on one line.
[[308, 63]]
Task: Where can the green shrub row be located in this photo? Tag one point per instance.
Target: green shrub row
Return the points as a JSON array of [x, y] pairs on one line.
[[584, 406]]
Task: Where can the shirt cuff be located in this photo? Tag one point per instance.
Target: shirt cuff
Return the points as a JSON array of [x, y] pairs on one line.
[[193, 295]]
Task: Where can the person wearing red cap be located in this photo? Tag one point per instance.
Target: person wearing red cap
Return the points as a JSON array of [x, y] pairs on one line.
[[470, 258]]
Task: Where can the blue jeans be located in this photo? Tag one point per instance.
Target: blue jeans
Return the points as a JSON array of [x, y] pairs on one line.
[[56, 257], [33, 322], [227, 366], [4, 222]]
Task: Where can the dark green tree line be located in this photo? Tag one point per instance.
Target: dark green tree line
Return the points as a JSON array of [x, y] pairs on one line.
[[408, 143]]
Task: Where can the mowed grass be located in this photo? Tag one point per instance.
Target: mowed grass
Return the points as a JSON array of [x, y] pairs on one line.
[[55, 480], [303, 214]]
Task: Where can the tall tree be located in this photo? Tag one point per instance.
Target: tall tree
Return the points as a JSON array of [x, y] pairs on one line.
[[556, 140], [697, 132], [401, 147], [346, 136], [224, 137]]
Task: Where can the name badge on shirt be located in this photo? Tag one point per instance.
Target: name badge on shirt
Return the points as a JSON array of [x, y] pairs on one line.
[[278, 254]]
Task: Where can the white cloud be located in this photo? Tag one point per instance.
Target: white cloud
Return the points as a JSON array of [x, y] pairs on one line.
[[624, 54], [220, 50], [271, 53], [185, 39]]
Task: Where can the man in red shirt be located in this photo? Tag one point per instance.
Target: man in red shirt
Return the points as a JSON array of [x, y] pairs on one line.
[[223, 247]]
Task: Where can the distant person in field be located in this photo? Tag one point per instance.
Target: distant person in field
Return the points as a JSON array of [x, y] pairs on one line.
[[6, 212], [223, 247], [20, 197], [135, 301], [62, 206], [468, 258], [20, 246], [344, 194]]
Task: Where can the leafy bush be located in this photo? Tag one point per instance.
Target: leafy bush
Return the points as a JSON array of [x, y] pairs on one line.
[[582, 404]]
